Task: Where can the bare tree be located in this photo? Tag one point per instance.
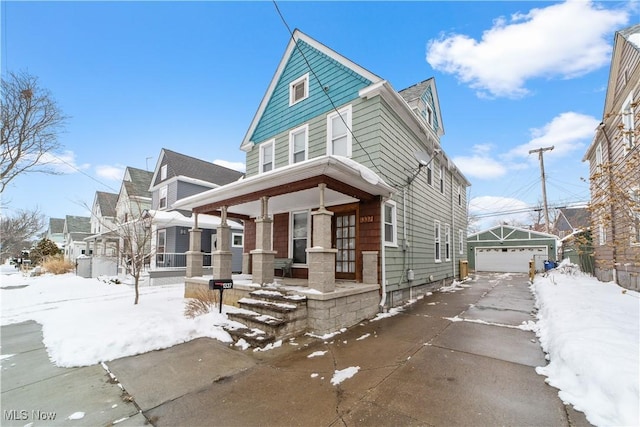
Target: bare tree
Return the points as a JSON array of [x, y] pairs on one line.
[[31, 122], [136, 250], [19, 231]]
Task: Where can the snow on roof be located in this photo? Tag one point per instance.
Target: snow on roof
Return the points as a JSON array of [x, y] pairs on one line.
[[175, 218]]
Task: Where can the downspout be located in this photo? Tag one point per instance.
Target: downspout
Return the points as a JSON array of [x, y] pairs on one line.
[[453, 232], [383, 267]]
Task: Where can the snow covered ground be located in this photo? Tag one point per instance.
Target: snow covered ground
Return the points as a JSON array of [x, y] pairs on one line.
[[589, 329]]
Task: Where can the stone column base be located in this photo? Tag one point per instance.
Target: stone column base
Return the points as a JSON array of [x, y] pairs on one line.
[[194, 264], [262, 263], [221, 264], [322, 269]]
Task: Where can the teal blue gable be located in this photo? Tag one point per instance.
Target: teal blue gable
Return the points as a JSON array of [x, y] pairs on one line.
[[343, 86], [427, 98]]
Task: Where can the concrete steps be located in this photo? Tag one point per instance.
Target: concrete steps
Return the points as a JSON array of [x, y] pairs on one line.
[[269, 315]]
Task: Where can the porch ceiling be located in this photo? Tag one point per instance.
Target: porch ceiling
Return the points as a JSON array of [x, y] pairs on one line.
[[294, 187]]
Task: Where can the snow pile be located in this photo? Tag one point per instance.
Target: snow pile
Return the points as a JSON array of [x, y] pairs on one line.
[[344, 374], [86, 321], [590, 332]]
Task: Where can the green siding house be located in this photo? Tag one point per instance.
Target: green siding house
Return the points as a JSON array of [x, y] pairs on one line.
[[346, 178]]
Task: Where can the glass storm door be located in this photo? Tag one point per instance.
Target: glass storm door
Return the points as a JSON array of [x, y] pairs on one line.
[[345, 243]]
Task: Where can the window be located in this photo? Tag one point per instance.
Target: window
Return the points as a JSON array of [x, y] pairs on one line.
[[602, 234], [162, 203], [237, 240], [429, 116], [299, 236], [299, 90], [447, 242], [338, 133], [461, 242], [429, 174], [599, 155], [267, 156], [390, 224], [160, 246], [298, 144], [459, 195], [436, 240], [442, 179], [163, 172], [628, 124]]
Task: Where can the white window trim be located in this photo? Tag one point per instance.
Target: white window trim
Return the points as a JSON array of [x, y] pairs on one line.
[[461, 242], [447, 242], [437, 239], [302, 129], [163, 172], [306, 89], [441, 181], [429, 115], [602, 234], [599, 154], [348, 110], [291, 215], [430, 174], [394, 224], [233, 239], [269, 145]]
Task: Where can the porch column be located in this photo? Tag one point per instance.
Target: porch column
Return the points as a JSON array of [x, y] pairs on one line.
[[321, 257], [194, 254], [370, 267], [221, 257], [262, 256]]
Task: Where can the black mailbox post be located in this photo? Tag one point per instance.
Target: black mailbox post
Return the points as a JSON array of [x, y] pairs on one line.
[[221, 285]]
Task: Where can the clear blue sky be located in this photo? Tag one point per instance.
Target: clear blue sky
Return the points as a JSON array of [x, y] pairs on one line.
[[135, 77]]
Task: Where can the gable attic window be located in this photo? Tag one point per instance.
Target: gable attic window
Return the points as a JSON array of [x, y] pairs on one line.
[[599, 154], [429, 116], [163, 172], [299, 89], [267, 156]]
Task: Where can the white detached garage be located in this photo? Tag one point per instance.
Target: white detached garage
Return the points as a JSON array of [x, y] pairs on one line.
[[509, 249]]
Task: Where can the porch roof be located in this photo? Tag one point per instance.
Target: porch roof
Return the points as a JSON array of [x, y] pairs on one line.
[[293, 187]]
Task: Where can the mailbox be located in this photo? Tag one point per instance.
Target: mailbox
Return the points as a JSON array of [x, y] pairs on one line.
[[221, 285]]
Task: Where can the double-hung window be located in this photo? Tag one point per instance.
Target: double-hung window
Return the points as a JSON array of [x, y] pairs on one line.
[[339, 133], [442, 179], [299, 89], [162, 203], [430, 174], [447, 242], [299, 236], [628, 125], [390, 224], [160, 246], [267, 159], [436, 241], [298, 144]]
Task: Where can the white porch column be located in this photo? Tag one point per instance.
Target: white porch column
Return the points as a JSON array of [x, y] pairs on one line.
[[321, 257], [262, 256], [194, 254], [221, 257]]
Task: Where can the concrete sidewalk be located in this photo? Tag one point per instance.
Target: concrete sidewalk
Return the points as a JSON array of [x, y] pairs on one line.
[[449, 359]]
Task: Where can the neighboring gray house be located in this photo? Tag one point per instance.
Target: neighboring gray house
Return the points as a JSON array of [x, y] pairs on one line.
[[75, 230], [346, 178], [175, 177], [508, 249], [55, 232]]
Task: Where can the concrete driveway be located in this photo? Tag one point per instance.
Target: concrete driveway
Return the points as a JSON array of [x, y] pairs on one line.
[[449, 359]]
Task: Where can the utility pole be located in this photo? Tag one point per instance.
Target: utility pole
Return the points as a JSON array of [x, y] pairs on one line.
[[544, 187]]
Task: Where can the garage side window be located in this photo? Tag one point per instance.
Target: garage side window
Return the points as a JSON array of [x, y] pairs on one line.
[[436, 241]]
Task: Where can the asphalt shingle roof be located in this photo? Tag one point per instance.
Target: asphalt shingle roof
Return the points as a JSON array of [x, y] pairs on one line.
[[56, 225], [78, 224], [414, 92], [107, 203], [140, 182], [191, 167]]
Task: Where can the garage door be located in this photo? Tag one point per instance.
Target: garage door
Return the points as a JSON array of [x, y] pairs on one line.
[[508, 260]]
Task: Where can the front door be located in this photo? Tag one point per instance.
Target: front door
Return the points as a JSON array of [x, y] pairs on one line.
[[345, 242]]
